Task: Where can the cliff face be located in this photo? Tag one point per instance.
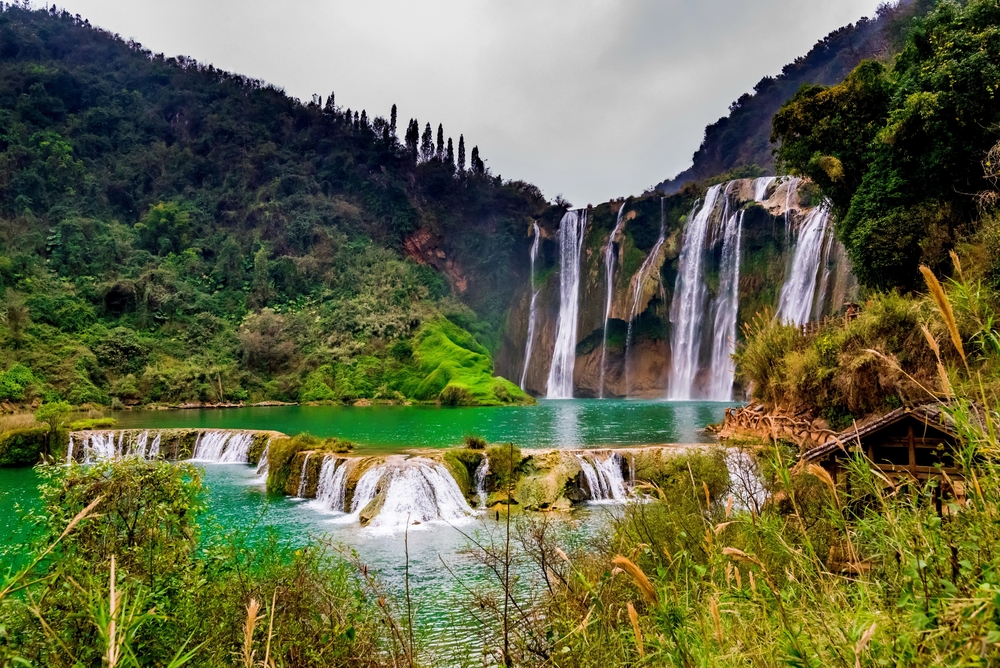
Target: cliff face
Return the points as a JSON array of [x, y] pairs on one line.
[[630, 352]]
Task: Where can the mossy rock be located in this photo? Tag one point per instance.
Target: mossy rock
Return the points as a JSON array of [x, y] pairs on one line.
[[462, 464], [371, 511], [23, 447], [549, 480]]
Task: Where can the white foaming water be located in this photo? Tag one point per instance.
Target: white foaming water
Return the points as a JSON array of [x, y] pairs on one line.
[[609, 275], [604, 478], [760, 187], [331, 490], [725, 309], [530, 341], [105, 445], [480, 480], [571, 233], [688, 307], [798, 294], [263, 466], [416, 491]]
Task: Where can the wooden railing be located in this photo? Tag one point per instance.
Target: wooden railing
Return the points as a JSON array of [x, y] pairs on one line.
[[813, 328]]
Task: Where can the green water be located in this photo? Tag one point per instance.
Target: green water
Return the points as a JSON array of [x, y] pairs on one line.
[[236, 497], [575, 423]]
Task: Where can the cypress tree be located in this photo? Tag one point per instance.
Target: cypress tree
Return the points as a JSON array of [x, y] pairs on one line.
[[461, 153], [450, 155], [440, 142], [477, 165], [330, 106], [392, 121], [364, 118], [427, 144], [347, 116], [412, 139]]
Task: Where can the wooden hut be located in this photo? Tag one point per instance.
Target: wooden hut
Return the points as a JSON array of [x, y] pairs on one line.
[[915, 442]]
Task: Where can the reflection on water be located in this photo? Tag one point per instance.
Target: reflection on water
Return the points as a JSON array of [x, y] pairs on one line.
[[568, 423]]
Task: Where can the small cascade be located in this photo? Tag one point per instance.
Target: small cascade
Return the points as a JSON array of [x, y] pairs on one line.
[[263, 466], [413, 491], [530, 340], [609, 273], [103, 445], [604, 478], [223, 447], [798, 294], [640, 282], [303, 480], [687, 310], [571, 234], [480, 480], [331, 488], [760, 187]]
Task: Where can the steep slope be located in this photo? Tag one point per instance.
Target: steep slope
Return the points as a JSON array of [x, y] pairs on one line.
[[741, 142], [172, 232]]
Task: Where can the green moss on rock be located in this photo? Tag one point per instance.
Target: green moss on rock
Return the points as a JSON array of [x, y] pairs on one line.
[[23, 447]]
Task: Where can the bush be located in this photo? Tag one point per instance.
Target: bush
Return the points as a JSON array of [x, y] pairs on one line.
[[24, 446], [14, 382]]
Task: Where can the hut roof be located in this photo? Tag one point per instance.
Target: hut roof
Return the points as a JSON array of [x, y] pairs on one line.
[[931, 415]]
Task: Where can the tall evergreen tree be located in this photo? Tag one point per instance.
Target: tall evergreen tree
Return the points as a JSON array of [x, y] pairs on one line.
[[449, 158], [440, 142], [348, 116], [330, 107], [392, 121], [427, 144], [412, 139], [477, 165], [461, 153]]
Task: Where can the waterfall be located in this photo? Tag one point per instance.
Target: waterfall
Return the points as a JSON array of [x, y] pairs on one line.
[[480, 480], [609, 274], [263, 466], [640, 281], [302, 477], [760, 187], [727, 304], [331, 489], [414, 491], [529, 343], [604, 477], [223, 447], [687, 310], [571, 234], [798, 294]]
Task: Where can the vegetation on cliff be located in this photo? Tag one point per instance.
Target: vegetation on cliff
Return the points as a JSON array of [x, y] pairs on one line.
[[172, 232], [902, 150]]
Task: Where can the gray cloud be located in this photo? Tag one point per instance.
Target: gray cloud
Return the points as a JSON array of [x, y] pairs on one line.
[[591, 99]]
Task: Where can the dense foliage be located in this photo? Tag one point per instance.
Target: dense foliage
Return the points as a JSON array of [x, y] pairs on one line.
[[900, 148], [172, 232]]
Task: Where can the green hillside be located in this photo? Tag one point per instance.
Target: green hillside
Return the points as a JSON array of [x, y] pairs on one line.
[[172, 232]]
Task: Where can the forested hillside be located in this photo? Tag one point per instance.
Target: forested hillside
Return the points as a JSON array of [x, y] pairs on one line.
[[740, 142], [171, 232]]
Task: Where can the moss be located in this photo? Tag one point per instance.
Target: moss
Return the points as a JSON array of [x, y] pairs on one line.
[[284, 469], [257, 447], [458, 371], [462, 464], [22, 447], [505, 465], [94, 423]]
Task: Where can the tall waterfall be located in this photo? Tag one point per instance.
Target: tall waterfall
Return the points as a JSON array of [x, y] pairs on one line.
[[571, 233], [529, 342], [609, 275], [798, 294], [727, 304], [604, 478], [688, 307], [414, 490]]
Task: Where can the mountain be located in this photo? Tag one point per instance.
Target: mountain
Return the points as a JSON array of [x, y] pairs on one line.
[[171, 232], [740, 143]]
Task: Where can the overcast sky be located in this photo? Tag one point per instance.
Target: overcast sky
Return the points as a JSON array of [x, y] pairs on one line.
[[591, 99]]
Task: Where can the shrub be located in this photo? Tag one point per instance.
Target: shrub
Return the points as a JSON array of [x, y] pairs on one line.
[[14, 382]]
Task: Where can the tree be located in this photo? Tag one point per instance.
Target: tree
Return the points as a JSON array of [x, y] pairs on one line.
[[440, 142], [392, 122], [264, 345], [330, 106], [412, 139], [363, 122], [261, 279], [165, 228], [461, 153], [427, 144], [15, 316], [449, 158], [476, 164], [54, 414]]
